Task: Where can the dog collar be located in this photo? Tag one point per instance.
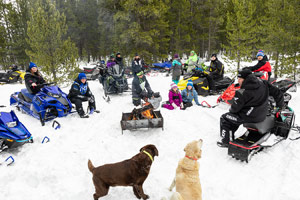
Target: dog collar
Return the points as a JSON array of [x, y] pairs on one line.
[[148, 154], [195, 159]]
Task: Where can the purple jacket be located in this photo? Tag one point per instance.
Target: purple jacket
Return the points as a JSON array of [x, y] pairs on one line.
[[175, 97], [110, 64]]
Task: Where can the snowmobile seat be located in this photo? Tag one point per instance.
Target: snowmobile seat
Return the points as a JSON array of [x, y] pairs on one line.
[[262, 127], [27, 96]]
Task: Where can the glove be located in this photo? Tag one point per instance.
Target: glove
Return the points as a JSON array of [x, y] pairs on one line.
[[181, 106], [174, 106]]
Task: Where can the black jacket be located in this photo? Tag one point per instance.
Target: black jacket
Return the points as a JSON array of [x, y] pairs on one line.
[[251, 101], [119, 61], [76, 91], [216, 68], [137, 90], [33, 78], [137, 65]]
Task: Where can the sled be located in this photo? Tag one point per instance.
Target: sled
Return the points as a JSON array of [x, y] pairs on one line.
[[131, 124]]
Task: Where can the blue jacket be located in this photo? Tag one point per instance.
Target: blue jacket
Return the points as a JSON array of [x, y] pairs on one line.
[[189, 95]]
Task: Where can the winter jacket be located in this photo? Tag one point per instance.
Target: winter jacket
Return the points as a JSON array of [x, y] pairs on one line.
[[110, 63], [262, 65], [176, 68], [139, 87], [119, 61], [80, 91], [216, 68], [189, 95], [251, 101], [33, 78], [192, 61], [174, 97], [137, 65]]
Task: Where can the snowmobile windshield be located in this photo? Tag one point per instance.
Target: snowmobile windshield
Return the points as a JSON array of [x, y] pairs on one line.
[[117, 70], [52, 91]]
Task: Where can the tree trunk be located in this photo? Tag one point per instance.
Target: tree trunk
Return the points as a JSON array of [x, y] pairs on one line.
[[276, 64]]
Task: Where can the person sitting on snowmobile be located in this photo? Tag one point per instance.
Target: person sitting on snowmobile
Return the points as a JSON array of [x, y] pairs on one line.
[[250, 104], [139, 87], [216, 71], [176, 69], [119, 59], [263, 64], [175, 99], [80, 92], [137, 64], [191, 62], [33, 79], [188, 95], [111, 62]]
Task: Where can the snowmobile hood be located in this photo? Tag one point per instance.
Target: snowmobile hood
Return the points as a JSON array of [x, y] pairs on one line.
[[251, 83]]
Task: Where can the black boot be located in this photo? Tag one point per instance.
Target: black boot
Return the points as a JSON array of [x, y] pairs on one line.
[[222, 144]]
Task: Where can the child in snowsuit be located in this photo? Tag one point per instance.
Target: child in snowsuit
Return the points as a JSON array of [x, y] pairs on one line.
[[80, 92], [176, 69], [140, 88], [175, 99], [188, 95]]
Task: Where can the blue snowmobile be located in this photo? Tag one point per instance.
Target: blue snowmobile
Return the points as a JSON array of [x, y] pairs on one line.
[[12, 132], [46, 105]]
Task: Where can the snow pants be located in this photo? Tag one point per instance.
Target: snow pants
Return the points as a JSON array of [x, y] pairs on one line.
[[229, 123], [170, 107], [78, 104], [211, 80]]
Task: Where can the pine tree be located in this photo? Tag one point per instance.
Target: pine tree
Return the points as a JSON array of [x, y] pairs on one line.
[[49, 48], [241, 27], [145, 28]]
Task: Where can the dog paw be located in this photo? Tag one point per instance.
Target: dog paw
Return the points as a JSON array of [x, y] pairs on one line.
[[146, 197]]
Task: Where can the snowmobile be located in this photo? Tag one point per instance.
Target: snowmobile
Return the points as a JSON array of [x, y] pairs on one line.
[[46, 105], [201, 84], [93, 73], [12, 76], [275, 128], [229, 93], [12, 132], [113, 80]]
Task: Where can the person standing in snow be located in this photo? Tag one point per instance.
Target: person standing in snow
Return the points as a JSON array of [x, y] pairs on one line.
[[80, 92], [191, 62], [176, 69], [216, 72], [263, 64], [33, 79], [137, 64], [140, 88], [188, 95], [250, 105], [175, 99]]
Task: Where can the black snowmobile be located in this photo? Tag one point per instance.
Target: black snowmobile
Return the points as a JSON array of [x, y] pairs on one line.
[[12, 76], [113, 80], [275, 128], [201, 84]]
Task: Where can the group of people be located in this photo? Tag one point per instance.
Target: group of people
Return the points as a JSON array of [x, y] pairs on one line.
[[249, 104]]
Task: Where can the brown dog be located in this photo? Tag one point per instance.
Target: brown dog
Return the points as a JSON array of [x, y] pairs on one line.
[[132, 172], [187, 179]]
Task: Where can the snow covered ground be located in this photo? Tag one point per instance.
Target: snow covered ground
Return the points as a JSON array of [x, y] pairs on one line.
[[58, 169]]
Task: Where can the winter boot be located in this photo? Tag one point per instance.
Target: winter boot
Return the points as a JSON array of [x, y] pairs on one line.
[[222, 144], [84, 116]]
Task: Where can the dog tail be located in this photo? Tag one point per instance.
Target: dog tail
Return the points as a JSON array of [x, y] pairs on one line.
[[90, 166]]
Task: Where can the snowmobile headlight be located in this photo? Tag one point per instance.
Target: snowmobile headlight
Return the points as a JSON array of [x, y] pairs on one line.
[[11, 124], [53, 95]]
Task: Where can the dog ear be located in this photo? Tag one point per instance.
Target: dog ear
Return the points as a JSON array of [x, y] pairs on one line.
[[155, 150]]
